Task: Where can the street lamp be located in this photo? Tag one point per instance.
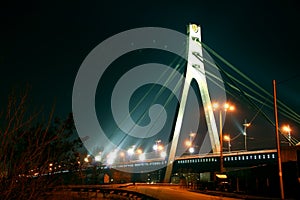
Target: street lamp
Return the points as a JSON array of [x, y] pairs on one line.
[[246, 125], [98, 157], [130, 151], [226, 107], [191, 150], [288, 130], [227, 138], [189, 142], [87, 159], [157, 146]]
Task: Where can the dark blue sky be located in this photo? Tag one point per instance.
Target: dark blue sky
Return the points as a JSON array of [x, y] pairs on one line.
[[44, 43]]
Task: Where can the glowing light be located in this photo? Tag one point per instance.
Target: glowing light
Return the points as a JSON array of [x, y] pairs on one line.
[[215, 105], [160, 147], [221, 175], [139, 151], [188, 143], [226, 106], [155, 147], [191, 149], [111, 157], [192, 135], [226, 137], [286, 128], [163, 154], [98, 158], [247, 125], [130, 151], [229, 107], [142, 156], [195, 28], [122, 154]]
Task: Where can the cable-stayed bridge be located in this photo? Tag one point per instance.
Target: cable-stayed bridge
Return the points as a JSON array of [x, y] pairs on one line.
[[182, 147], [234, 83]]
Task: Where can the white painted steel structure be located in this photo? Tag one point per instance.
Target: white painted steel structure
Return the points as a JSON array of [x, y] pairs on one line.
[[195, 71]]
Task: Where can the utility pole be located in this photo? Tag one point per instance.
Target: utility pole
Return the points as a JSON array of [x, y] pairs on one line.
[[221, 143], [246, 125], [278, 142]]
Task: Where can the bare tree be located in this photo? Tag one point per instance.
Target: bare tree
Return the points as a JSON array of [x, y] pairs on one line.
[[32, 148]]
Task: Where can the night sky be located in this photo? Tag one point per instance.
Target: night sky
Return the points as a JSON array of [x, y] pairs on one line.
[[44, 43]]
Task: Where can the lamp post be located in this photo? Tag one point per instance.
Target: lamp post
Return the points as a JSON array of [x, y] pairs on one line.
[[278, 142], [246, 125], [226, 107], [227, 138], [288, 130]]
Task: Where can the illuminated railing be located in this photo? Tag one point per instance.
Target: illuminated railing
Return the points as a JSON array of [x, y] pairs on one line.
[[233, 156]]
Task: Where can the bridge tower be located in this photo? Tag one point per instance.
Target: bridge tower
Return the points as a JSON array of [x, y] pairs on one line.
[[195, 70]]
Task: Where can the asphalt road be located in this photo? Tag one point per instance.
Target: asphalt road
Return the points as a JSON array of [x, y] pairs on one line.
[[172, 192]]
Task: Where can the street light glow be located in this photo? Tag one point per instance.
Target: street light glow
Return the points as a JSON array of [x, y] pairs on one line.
[[122, 154], [226, 107], [247, 124], [98, 158], [215, 105], [226, 137], [191, 149], [111, 157], [139, 151], [188, 143], [286, 128], [163, 154], [142, 156], [155, 147], [192, 135], [229, 107], [130, 151], [160, 147]]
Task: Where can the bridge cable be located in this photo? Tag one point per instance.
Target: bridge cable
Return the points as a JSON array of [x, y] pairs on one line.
[[241, 91]]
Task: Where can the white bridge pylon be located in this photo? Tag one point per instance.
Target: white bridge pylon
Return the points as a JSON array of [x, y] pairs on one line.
[[195, 70]]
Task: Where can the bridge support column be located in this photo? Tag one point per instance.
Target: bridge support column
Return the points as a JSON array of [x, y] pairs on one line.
[[195, 70]]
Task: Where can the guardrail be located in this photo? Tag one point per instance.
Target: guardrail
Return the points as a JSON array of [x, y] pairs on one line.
[[103, 191]]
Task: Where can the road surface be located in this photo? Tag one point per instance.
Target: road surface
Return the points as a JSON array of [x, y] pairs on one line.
[[172, 192]]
